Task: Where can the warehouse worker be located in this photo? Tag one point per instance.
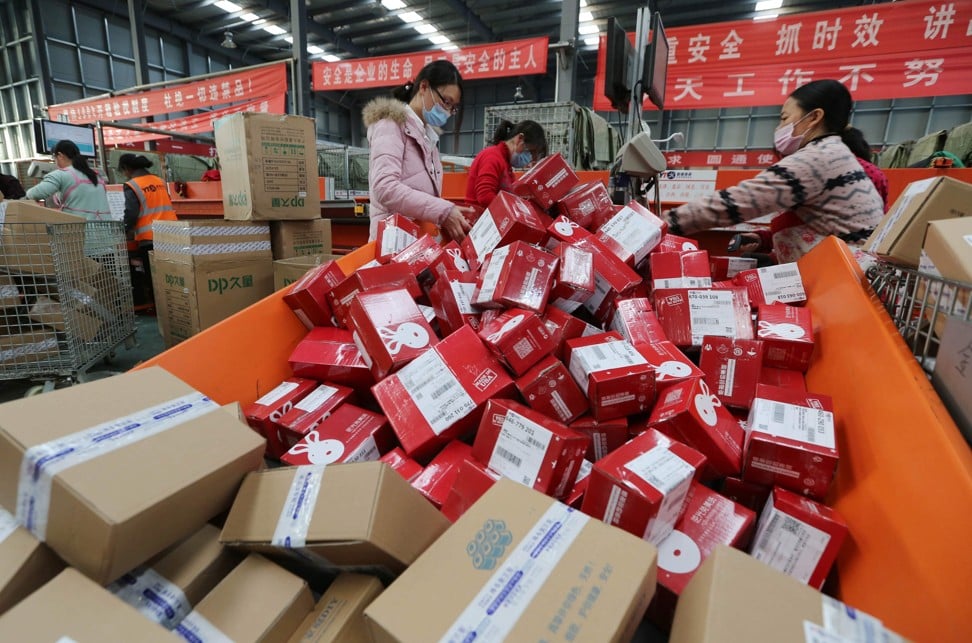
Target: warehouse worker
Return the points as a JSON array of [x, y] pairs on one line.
[[146, 198], [514, 146], [819, 187], [404, 168], [74, 187], [10, 187]]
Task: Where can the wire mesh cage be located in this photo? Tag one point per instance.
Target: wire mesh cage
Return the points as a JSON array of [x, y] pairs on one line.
[[347, 165], [65, 297], [557, 120]]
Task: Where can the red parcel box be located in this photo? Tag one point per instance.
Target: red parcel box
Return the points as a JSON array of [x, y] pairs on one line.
[[636, 321], [613, 279], [330, 354], [632, 233], [564, 230], [680, 269], [309, 412], [586, 204], [773, 284], [308, 296], [605, 436], [350, 434], [547, 182], [507, 219], [565, 326], [576, 496], [617, 379], [787, 334], [517, 275], [451, 258], [473, 479], [262, 414], [394, 234], [451, 299], [549, 388], [401, 463], [674, 243], [420, 256], [725, 268], [440, 474], [670, 364], [732, 368], [389, 329], [574, 281], [518, 338], [689, 315], [387, 277]]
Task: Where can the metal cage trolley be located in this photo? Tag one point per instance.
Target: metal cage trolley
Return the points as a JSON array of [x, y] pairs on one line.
[[65, 298]]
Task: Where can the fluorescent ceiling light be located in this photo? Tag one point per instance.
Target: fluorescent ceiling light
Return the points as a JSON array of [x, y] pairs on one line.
[[314, 49], [588, 29], [250, 17], [259, 22], [585, 16], [393, 5], [410, 16], [228, 7], [592, 41], [274, 29], [438, 39], [766, 5], [331, 58], [766, 16], [289, 39], [583, 3], [424, 28], [449, 47]]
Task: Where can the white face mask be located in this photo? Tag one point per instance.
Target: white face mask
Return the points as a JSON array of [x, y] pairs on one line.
[[783, 139]]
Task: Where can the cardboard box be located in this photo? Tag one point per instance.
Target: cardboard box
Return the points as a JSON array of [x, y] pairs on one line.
[[309, 412], [349, 434], [288, 271], [584, 580], [451, 299], [574, 281], [401, 463], [632, 233], [518, 338], [725, 268], [262, 414], [680, 269], [269, 166], [586, 204], [25, 562], [952, 377], [300, 238], [439, 395], [799, 537], [688, 315], [732, 368], [948, 243], [389, 329], [606, 436], [166, 588], [773, 284], [73, 608], [787, 336], [507, 219], [439, 475], [899, 235], [641, 487], [634, 318], [547, 182], [364, 515], [394, 234], [308, 297], [674, 243], [29, 348], [26, 244], [257, 601], [64, 318], [549, 388], [9, 292], [115, 504], [516, 275], [338, 616], [380, 277], [670, 364], [330, 354], [617, 380], [473, 479]]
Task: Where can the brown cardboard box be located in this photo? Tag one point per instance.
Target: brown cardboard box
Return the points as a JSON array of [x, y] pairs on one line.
[[257, 602], [64, 318], [899, 235], [365, 515], [185, 240], [300, 238], [948, 243], [73, 608], [952, 377], [520, 566], [287, 271], [111, 512], [29, 348], [339, 616], [26, 244], [25, 562], [734, 597], [9, 293], [269, 167]]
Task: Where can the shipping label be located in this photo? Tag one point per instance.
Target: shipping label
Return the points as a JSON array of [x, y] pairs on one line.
[[813, 426], [298, 509], [636, 234], [520, 449], [317, 398], [491, 277], [436, 392], [711, 312], [671, 476], [485, 236], [781, 283], [788, 544], [283, 389]]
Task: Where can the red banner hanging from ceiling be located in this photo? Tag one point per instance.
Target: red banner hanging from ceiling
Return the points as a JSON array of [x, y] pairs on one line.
[[233, 87], [498, 60], [914, 48]]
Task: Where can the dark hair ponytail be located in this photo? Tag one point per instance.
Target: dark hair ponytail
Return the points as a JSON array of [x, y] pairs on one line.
[[828, 95], [78, 162], [503, 132], [533, 134], [854, 139], [134, 162]]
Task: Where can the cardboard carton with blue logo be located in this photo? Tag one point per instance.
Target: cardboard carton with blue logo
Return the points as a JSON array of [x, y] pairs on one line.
[[520, 566]]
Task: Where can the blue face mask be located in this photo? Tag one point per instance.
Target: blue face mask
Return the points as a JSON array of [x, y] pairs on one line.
[[521, 159], [438, 116]]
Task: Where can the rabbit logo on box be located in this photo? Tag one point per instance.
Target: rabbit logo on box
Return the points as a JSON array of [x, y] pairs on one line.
[[489, 544]]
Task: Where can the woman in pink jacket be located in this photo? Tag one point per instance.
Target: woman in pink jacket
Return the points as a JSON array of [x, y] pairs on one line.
[[404, 170]]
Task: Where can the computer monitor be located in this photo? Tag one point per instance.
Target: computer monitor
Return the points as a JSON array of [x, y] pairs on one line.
[[48, 133], [655, 71], [619, 55]]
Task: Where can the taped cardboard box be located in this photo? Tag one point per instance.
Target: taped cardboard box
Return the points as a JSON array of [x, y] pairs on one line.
[[290, 239], [61, 318], [288, 271], [25, 562], [143, 461], [31, 347], [27, 244], [363, 516], [952, 377], [520, 566], [339, 615], [9, 292], [948, 252], [73, 608]]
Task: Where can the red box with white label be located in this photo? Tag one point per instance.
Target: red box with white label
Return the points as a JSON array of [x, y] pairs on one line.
[[725, 268], [349, 434], [680, 269], [576, 496], [587, 203], [632, 233], [773, 284], [605, 436], [389, 329], [799, 537], [791, 441], [330, 354], [394, 234], [617, 379], [305, 415], [707, 521], [783, 378], [566, 326], [748, 494], [440, 474], [549, 388], [636, 321], [386, 277], [518, 275], [787, 334], [674, 243], [419, 256], [547, 182], [642, 486], [529, 447], [687, 315], [518, 338], [613, 279], [689, 412], [732, 368], [473, 479], [402, 464], [440, 394], [260, 415], [671, 365], [308, 296], [574, 281], [507, 219], [565, 230], [451, 299], [451, 258]]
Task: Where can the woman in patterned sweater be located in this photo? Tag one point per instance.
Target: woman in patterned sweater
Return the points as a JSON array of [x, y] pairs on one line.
[[818, 187]]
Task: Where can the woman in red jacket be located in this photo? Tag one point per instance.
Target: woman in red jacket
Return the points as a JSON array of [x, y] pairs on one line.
[[492, 170]]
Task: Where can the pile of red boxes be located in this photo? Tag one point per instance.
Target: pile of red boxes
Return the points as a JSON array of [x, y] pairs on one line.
[[575, 347]]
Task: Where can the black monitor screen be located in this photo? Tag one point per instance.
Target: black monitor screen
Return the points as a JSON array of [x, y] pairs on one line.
[[619, 55], [656, 63], [48, 133]]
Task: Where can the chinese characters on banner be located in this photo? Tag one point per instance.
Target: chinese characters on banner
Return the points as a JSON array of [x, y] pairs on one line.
[[724, 159], [512, 58], [904, 49]]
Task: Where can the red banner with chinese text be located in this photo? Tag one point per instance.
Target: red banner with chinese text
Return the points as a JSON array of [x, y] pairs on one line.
[[234, 87], [498, 60], [914, 48]]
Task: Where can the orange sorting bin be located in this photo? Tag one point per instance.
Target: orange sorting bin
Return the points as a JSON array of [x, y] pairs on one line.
[[904, 483]]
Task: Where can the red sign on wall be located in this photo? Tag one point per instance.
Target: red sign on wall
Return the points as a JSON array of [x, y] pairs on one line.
[[498, 60], [914, 48]]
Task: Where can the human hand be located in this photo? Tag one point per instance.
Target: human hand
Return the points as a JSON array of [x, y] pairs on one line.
[[456, 225], [745, 242]]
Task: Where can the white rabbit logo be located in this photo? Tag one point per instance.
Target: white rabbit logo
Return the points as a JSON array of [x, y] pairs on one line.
[[706, 403], [319, 451], [784, 330], [565, 226], [457, 259], [672, 369], [688, 246], [282, 411], [510, 324], [408, 334]]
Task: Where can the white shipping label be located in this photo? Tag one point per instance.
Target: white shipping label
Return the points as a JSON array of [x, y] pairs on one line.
[[394, 239], [274, 396], [601, 357], [491, 277], [153, 595], [633, 232], [428, 312], [814, 426], [8, 524], [788, 544], [813, 633], [781, 283], [520, 448], [727, 378], [968, 239], [671, 476], [853, 625], [298, 508], [463, 293], [566, 305], [584, 471], [503, 599], [43, 461], [65, 639], [435, 390], [898, 209], [602, 287], [738, 264], [485, 236], [683, 282], [195, 628], [367, 451], [927, 266], [317, 398], [711, 312]]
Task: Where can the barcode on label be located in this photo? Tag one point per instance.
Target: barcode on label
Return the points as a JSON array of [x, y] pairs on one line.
[[598, 353], [707, 321], [785, 274], [506, 455], [779, 413], [442, 390], [536, 443], [789, 524]]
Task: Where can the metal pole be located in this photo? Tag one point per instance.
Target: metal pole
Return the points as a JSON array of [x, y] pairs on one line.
[[149, 130], [641, 39], [303, 105], [566, 56]]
